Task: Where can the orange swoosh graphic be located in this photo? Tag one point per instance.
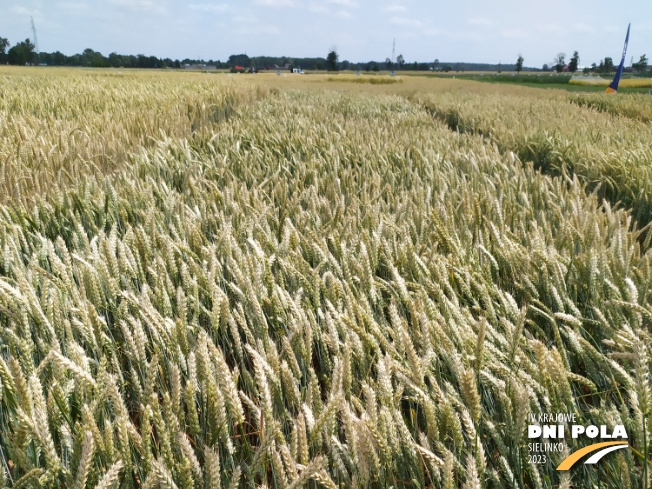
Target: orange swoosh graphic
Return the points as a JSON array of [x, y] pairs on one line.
[[574, 457]]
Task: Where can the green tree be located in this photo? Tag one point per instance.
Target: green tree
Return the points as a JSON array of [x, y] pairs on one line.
[[608, 65], [400, 60], [22, 53], [4, 44], [574, 62], [239, 60], [560, 62], [331, 60], [115, 60], [388, 64], [435, 65], [94, 59], [640, 66], [519, 64]]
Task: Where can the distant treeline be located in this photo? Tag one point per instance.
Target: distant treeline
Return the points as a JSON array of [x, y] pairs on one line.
[[97, 60], [283, 62], [23, 53]]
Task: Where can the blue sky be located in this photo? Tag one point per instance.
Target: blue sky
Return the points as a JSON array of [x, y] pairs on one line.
[[360, 30]]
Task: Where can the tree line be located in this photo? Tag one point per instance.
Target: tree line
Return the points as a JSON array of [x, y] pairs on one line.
[[606, 65], [24, 53]]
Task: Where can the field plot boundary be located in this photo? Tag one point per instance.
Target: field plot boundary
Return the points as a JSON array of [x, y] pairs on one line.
[[605, 164]]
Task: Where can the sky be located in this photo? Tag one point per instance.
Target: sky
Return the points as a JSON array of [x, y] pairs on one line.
[[360, 30]]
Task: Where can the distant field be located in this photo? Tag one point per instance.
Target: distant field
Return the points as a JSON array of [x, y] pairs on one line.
[[248, 281], [563, 81], [543, 78], [366, 79], [528, 79], [623, 84]]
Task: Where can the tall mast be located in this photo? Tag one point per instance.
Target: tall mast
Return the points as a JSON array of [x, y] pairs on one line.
[[35, 38]]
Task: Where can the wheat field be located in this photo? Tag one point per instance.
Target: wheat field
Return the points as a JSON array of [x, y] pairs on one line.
[[624, 83], [239, 282]]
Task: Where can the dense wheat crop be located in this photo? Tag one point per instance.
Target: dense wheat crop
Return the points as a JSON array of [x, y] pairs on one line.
[[58, 126], [634, 106], [316, 289], [604, 150]]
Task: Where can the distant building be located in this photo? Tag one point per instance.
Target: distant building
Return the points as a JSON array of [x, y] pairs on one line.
[[201, 66], [285, 67]]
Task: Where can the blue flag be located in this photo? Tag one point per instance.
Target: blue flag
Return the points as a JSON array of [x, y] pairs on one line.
[[613, 88]]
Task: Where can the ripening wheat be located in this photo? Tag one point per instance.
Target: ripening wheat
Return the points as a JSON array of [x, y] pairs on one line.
[[313, 289]]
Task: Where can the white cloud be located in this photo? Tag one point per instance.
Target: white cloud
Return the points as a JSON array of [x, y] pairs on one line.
[[514, 33], [24, 11], [343, 3], [480, 21], [582, 27], [149, 6], [549, 27], [433, 32], [395, 9], [318, 8], [275, 3], [135, 4], [404, 21], [244, 19], [260, 30], [340, 8], [73, 7], [210, 8], [20, 10], [469, 36]]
